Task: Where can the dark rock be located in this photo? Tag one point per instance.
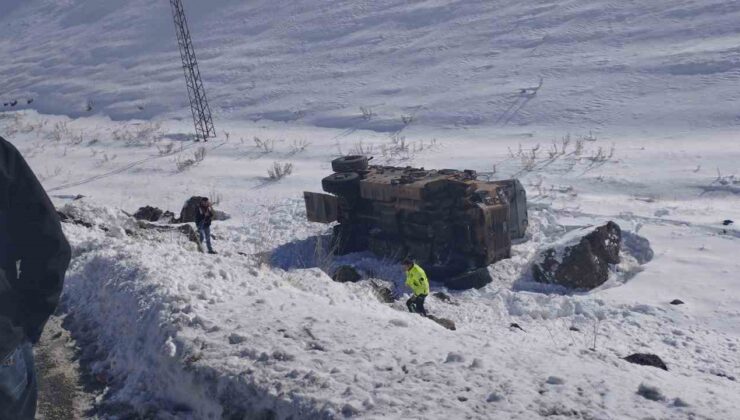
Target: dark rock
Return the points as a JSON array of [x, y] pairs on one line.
[[447, 323], [442, 296], [574, 329], [236, 339], [346, 273], [469, 280], [384, 294], [638, 247], [554, 380], [69, 219], [726, 376], [650, 392], [78, 197], [516, 326], [727, 222], [584, 265], [148, 213], [645, 359], [168, 217], [676, 302], [219, 215]]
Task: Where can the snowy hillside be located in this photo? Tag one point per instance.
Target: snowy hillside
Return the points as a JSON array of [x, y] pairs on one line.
[[649, 66], [636, 121]]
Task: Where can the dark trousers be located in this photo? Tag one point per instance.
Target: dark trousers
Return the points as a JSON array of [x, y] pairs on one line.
[[416, 304], [205, 235], [18, 387]]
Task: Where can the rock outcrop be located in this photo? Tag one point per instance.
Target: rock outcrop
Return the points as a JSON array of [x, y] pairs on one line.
[[581, 263]]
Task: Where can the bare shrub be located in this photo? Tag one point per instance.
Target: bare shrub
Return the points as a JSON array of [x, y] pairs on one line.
[[589, 137], [50, 174], [360, 148], [367, 113], [166, 149], [215, 197], [279, 171], [77, 139], [145, 134], [184, 163], [578, 148], [265, 146], [601, 155], [104, 158], [200, 154], [399, 149], [298, 146], [726, 180], [60, 131]]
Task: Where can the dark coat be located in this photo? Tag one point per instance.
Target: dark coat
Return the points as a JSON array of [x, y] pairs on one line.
[[31, 239], [203, 217]]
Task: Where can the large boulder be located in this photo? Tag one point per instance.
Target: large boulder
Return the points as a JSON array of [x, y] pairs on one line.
[[190, 209], [148, 213], [646, 359], [444, 322], [346, 274], [580, 261]]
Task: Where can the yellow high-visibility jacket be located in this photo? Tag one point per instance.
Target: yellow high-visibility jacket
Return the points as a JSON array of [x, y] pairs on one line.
[[417, 280]]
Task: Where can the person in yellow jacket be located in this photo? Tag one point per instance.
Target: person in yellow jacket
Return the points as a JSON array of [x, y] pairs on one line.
[[417, 280]]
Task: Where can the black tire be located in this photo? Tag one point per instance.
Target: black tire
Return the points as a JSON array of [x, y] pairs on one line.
[[352, 163], [469, 280], [342, 184]]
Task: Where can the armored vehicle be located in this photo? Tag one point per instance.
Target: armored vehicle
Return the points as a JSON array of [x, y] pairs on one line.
[[448, 220]]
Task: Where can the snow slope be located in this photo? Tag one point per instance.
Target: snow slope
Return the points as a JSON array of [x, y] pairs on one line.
[[179, 334], [655, 66]]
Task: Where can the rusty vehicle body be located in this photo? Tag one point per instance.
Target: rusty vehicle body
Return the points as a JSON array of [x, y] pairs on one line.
[[449, 221]]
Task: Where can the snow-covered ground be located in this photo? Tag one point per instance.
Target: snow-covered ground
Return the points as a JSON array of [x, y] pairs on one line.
[[636, 122]]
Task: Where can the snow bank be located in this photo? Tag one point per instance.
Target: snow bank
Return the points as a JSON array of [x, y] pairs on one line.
[[186, 335]]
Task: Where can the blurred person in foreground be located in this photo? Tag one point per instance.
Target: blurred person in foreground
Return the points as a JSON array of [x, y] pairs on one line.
[[34, 255]]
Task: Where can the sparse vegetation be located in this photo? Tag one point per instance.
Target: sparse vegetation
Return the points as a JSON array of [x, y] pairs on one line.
[[279, 171], [184, 164], [367, 113], [60, 131], [166, 148], [567, 151], [145, 134], [298, 146], [264, 146], [397, 150]]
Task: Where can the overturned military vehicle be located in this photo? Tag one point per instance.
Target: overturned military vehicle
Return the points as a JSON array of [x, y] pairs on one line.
[[450, 222]]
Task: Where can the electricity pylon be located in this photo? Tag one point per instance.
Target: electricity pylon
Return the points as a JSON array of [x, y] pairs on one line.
[[196, 92]]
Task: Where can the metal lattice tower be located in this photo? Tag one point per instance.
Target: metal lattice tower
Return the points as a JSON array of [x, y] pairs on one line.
[[196, 92]]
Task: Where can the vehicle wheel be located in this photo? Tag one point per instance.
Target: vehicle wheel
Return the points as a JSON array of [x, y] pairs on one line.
[[352, 163], [469, 280], [342, 184]]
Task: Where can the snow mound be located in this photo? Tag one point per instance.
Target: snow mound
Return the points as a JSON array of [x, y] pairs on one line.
[[186, 335]]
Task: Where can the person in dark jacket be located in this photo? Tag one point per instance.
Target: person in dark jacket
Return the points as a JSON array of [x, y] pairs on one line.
[[203, 219], [34, 255]]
